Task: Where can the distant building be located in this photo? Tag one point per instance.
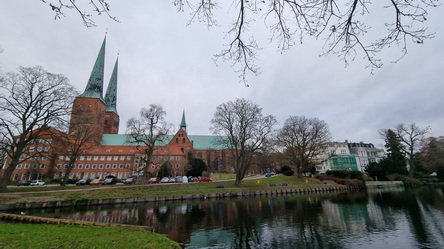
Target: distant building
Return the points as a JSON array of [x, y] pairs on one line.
[[112, 154], [347, 156], [366, 153]]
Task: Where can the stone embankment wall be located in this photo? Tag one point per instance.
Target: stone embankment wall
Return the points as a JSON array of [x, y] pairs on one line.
[[94, 202]]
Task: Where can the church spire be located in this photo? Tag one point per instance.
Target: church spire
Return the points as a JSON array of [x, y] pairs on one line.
[[183, 124], [111, 91], [94, 88]]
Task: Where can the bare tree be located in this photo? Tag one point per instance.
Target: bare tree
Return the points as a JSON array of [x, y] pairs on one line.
[[147, 131], [344, 26], [31, 100], [243, 130], [83, 137], [411, 136], [302, 139], [98, 7]]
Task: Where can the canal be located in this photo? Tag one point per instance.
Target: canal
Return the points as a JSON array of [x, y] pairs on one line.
[[380, 218]]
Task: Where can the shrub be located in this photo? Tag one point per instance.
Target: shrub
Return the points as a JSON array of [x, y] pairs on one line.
[[287, 170], [346, 174]]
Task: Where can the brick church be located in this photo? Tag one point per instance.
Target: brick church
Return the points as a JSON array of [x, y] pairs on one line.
[[111, 153]]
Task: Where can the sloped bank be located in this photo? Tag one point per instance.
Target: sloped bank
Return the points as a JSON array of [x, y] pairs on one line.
[[95, 202]]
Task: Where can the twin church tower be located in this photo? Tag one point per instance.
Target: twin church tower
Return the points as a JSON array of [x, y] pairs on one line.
[[90, 108]]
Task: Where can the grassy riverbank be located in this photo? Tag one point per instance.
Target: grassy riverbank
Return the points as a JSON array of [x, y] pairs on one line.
[[58, 236], [39, 194]]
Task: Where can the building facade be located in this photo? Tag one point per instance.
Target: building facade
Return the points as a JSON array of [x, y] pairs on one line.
[[108, 152]]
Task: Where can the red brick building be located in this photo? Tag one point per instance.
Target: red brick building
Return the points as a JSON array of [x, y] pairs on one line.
[[111, 153]]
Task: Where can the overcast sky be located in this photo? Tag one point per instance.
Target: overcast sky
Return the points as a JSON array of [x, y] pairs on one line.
[[164, 61]]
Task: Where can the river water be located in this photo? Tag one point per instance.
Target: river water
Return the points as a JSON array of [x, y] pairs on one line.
[[388, 218]]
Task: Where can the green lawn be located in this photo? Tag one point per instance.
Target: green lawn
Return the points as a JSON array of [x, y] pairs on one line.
[[60, 236], [164, 189]]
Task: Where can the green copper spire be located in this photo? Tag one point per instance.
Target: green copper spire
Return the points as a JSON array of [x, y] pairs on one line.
[[183, 124], [94, 88], [111, 91]]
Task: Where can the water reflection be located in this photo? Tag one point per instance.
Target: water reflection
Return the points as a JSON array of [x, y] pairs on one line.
[[396, 218]]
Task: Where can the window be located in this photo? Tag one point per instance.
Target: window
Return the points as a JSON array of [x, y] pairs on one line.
[[160, 158], [102, 158], [116, 158], [16, 176], [108, 150], [44, 158], [172, 158], [80, 166], [24, 176], [177, 165], [59, 166], [42, 166], [27, 166], [108, 166], [31, 149], [96, 150], [86, 166], [66, 166], [128, 166], [120, 151], [153, 166], [94, 166], [128, 158], [39, 149], [154, 158], [114, 166], [19, 166], [42, 141], [93, 175], [61, 158], [96, 158], [49, 140], [100, 166], [88, 158], [120, 166], [109, 158], [122, 158], [177, 158], [85, 176], [22, 157], [131, 150], [82, 158]]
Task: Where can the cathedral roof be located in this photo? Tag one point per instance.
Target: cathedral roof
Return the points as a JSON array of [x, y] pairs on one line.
[[94, 88], [200, 142], [111, 91]]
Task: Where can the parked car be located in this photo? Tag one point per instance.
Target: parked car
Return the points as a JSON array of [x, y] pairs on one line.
[[96, 181], [69, 181], [109, 181], [128, 181], [154, 180], [165, 180], [23, 183], [171, 180], [37, 183], [202, 179], [83, 182], [190, 179], [178, 179]]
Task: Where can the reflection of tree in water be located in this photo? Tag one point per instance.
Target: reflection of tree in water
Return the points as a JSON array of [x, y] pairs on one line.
[[416, 205], [245, 225]]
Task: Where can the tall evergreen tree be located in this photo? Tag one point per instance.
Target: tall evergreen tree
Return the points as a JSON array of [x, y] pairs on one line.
[[395, 155]]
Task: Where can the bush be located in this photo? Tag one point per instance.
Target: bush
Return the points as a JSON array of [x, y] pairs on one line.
[[287, 170], [346, 174]]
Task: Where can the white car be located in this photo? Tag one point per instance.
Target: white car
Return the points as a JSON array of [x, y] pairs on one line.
[[37, 183]]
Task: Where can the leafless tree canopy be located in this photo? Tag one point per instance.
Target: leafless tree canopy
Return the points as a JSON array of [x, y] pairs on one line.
[[30, 100], [244, 130], [345, 26], [302, 139], [411, 136], [146, 131]]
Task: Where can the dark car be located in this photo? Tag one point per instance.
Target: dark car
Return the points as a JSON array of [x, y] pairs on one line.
[[69, 181], [109, 181], [83, 182], [23, 183]]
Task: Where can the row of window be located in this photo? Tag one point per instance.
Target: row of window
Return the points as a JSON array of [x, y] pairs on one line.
[[92, 175], [27, 166], [95, 166], [96, 158]]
